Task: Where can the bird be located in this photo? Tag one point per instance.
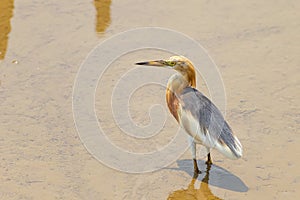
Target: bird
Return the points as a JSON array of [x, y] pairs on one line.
[[195, 113]]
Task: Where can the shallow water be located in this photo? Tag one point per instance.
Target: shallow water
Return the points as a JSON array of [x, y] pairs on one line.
[[42, 45]]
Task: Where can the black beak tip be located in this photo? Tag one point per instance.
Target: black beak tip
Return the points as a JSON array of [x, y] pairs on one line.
[[141, 63]]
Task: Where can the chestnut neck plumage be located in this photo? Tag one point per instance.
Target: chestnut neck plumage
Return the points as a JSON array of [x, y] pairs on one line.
[[182, 79], [176, 84]]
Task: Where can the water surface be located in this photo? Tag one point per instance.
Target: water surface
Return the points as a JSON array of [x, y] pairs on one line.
[[42, 44]]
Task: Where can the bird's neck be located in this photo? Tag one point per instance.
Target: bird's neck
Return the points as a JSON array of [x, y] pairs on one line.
[[190, 77], [176, 85], [179, 81], [187, 76]]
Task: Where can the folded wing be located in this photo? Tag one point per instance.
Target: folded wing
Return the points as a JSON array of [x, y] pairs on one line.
[[212, 129]]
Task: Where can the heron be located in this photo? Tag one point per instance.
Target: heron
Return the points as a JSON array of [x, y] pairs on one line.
[[195, 113]]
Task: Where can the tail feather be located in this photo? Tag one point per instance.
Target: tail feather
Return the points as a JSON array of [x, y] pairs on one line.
[[232, 151], [239, 148]]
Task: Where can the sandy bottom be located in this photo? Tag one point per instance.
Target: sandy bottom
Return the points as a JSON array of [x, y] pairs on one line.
[[255, 45]]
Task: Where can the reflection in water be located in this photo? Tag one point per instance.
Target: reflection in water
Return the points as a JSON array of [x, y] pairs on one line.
[[191, 192], [6, 13], [212, 175], [103, 14]]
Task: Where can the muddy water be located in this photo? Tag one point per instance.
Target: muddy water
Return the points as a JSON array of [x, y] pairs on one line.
[[254, 44]]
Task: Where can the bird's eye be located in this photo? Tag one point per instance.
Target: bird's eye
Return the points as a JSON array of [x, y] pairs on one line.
[[172, 63]]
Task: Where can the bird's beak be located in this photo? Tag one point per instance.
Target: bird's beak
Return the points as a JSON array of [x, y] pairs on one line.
[[158, 63]]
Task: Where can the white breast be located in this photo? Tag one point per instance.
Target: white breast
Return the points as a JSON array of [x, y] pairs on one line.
[[192, 127]]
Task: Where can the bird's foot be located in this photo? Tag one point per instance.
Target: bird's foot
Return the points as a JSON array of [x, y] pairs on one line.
[[208, 162], [196, 173]]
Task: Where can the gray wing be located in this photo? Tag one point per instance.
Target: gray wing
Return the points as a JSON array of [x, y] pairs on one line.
[[210, 118]]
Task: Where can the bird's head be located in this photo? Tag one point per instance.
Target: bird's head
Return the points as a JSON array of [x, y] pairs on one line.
[[179, 63]]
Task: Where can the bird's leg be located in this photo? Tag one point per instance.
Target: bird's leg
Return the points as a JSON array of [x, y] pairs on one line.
[[209, 161], [193, 150], [196, 170]]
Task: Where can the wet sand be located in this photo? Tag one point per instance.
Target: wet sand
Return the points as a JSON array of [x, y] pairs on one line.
[[254, 44]]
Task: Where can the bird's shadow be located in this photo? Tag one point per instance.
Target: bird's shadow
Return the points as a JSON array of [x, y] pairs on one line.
[[213, 175]]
